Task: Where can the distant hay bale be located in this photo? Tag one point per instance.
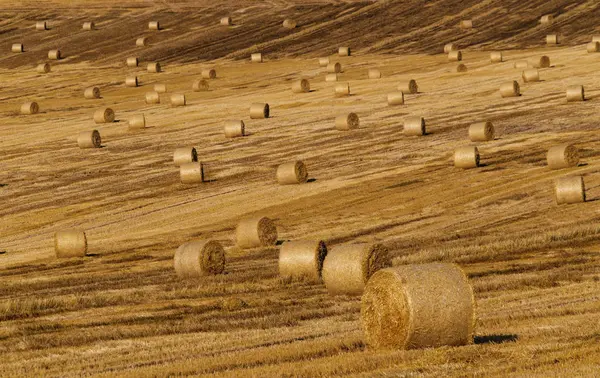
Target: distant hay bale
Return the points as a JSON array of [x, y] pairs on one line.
[[449, 47], [575, 93], [466, 157], [409, 87], [301, 86], [466, 24], [256, 58], [209, 73], [455, 56], [140, 42], [70, 243], [546, 19], [259, 110], [562, 156], [178, 99], [511, 89], [91, 93], [531, 75], [334, 67], [481, 131], [234, 129], [292, 173], [520, 64], [302, 260], [348, 267], [461, 68], [41, 25], [347, 122], [374, 73], [153, 67], [593, 47], [191, 173], [160, 88], [596, 38], [152, 98], [331, 77], [43, 68], [200, 85], [541, 62], [344, 51], [256, 232], [289, 23], [17, 48], [414, 126], [226, 21], [131, 81], [569, 190], [137, 121], [89, 139], [395, 98], [132, 61], [496, 57], [342, 89], [104, 115], [54, 54], [30, 108], [199, 258], [154, 25], [418, 306], [552, 39], [88, 25], [323, 62]]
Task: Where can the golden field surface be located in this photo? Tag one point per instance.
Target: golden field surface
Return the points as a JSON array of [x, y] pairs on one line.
[[121, 310]]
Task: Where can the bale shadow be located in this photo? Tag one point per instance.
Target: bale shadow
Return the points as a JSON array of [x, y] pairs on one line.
[[496, 339], [311, 180], [2, 252], [92, 255]]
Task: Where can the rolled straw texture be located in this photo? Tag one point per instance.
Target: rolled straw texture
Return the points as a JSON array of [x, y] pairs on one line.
[[466, 24], [520, 64], [395, 98], [347, 121], [131, 81], [292, 173], [153, 67], [546, 19], [70, 243], [374, 73], [89, 139], [511, 89], [137, 121], [226, 21], [160, 88], [342, 89], [199, 258], [496, 57], [43, 68], [575, 93], [593, 47], [89, 25], [461, 68], [91, 93], [449, 47], [569, 190], [481, 131], [331, 77], [255, 232], [200, 85], [531, 75], [409, 87], [104, 115], [30, 108], [466, 157], [414, 126], [344, 51], [191, 173], [154, 25], [541, 62], [41, 25], [184, 155], [302, 260], [455, 56], [301, 86], [234, 129], [17, 48], [178, 99], [259, 110], [256, 58], [323, 62], [552, 39], [209, 73], [562, 156], [289, 23], [152, 98], [141, 41], [54, 54], [335, 67]]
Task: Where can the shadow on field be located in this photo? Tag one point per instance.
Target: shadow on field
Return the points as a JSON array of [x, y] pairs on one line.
[[495, 339]]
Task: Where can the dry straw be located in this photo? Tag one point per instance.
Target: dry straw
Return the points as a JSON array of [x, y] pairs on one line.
[[131, 81], [409, 87], [256, 58], [344, 51], [226, 21], [255, 232], [292, 173], [530, 75], [546, 19], [17, 48], [54, 54], [496, 57], [70, 243], [91, 93], [234, 129], [414, 126], [200, 85], [347, 122], [30, 108], [418, 306], [259, 110], [323, 62], [153, 67], [449, 47], [132, 61], [89, 139], [43, 68], [342, 89], [552, 39], [301, 86], [347, 268], [289, 23], [481, 131], [331, 77], [140, 42], [562, 156], [178, 99], [191, 173], [185, 155], [520, 64], [88, 25], [596, 38], [154, 25], [511, 89], [455, 56], [209, 73], [466, 157], [104, 115], [152, 98], [593, 47], [575, 93], [461, 68], [302, 260], [41, 25], [466, 24], [137, 121], [199, 258], [569, 190], [541, 62], [395, 98], [374, 73], [160, 88], [334, 67]]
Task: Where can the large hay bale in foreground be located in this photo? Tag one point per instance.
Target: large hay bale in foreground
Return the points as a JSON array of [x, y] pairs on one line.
[[30, 108], [552, 39], [132, 61], [292, 173], [301, 86], [178, 99], [342, 89], [259, 110], [131, 81], [289, 23], [409, 87], [575, 93], [154, 25], [344, 51], [347, 122], [152, 97], [199, 258], [541, 62], [88, 25], [209, 73], [256, 58], [481, 131], [192, 173], [593, 47], [302, 260], [91, 93], [54, 54], [414, 126], [496, 57], [41, 25], [17, 48], [43, 68], [200, 85], [348, 267], [449, 47], [530, 75], [89, 139], [395, 98], [137, 121], [70, 243], [184, 155], [562, 156], [234, 129], [418, 306], [374, 73], [466, 157], [153, 67], [256, 232], [455, 56], [569, 190], [104, 115], [510, 89]]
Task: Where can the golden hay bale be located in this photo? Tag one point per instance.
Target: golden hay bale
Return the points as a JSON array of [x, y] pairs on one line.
[[323, 62], [593, 47], [70, 243], [153, 67], [466, 24], [541, 62], [30, 108], [255, 232], [209, 73], [104, 115], [531, 75], [334, 67], [414, 126], [160, 88], [569, 190], [132, 61], [54, 54], [292, 173], [546, 19], [409, 87], [455, 56], [520, 64], [199, 258], [256, 58], [152, 98], [344, 51], [191, 173], [511, 89], [374, 73], [89, 139], [481, 131], [17, 48], [496, 57], [140, 42], [200, 85], [302, 260], [395, 98], [552, 39], [184, 155], [596, 38], [131, 81], [342, 89], [178, 99], [466, 157], [226, 21], [301, 86], [449, 47], [91, 93], [289, 23], [575, 93], [154, 25], [331, 77], [418, 306], [347, 268], [234, 129], [259, 110], [88, 25], [347, 122], [43, 68], [137, 121], [562, 156], [41, 25], [461, 68]]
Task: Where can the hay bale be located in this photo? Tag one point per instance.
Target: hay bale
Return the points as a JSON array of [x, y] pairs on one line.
[[54, 54], [302, 260], [226, 21], [191, 173], [347, 268], [301, 86], [141, 42], [466, 157], [541, 62], [596, 38], [562, 156], [418, 306], [552, 39], [395, 98], [331, 77], [30, 108], [342, 89], [520, 64], [91, 93], [414, 126], [569, 190], [132, 61], [41, 25], [496, 57], [153, 67], [154, 25], [256, 232], [334, 67], [292, 173], [455, 56], [200, 85], [347, 122], [259, 110], [593, 47], [531, 75], [461, 68], [137, 121], [131, 81], [575, 93], [466, 24], [160, 88], [323, 62], [178, 99], [199, 258], [17, 48], [70, 243], [43, 68], [374, 73], [89, 139], [234, 129], [344, 51], [409, 87], [185, 155], [511, 89], [209, 73], [481, 131], [546, 19], [449, 47], [104, 115], [256, 58], [152, 98], [289, 23], [88, 25]]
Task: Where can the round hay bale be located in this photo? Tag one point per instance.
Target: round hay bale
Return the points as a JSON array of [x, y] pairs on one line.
[[347, 268], [414, 126], [54, 54], [575, 93], [395, 98], [184, 155], [141, 42], [289, 23], [455, 56], [137, 121], [546, 19], [466, 24], [226, 21], [104, 115], [153, 67], [347, 122], [331, 77], [569, 190], [70, 243], [302, 260], [43, 68], [259, 110], [541, 62], [41, 25], [178, 99], [511, 89], [593, 47], [334, 67], [91, 93], [374, 73], [323, 62], [342, 89], [131, 81], [132, 61], [89, 139], [531, 75], [88, 25], [449, 47], [234, 129], [461, 68], [418, 306], [552, 39], [209, 73], [466, 157], [301, 86], [154, 25], [160, 88], [496, 57], [481, 131], [409, 87], [199, 258], [344, 51], [200, 85], [520, 64], [152, 98], [30, 108], [191, 173], [256, 232], [17, 48], [562, 156], [256, 58], [292, 173]]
